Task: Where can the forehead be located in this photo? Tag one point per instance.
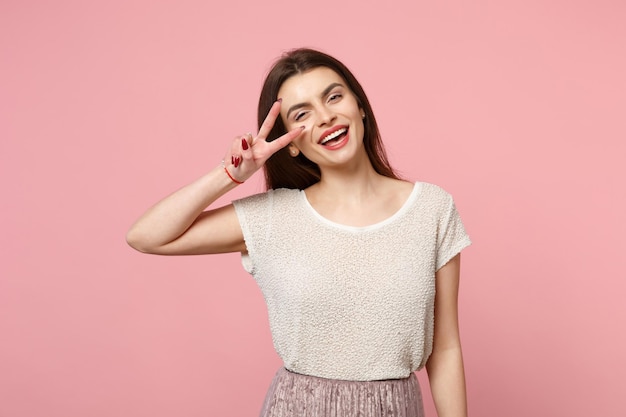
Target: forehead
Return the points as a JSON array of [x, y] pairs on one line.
[[310, 83]]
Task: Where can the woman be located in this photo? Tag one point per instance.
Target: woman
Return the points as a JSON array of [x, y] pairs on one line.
[[347, 255]]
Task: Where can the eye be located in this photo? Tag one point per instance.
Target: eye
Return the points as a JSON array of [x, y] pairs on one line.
[[299, 116], [334, 97]]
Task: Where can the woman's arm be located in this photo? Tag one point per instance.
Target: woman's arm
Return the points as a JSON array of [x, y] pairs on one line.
[[178, 224], [445, 365]]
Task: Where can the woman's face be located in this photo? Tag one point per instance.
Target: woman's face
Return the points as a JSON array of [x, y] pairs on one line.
[[321, 101]]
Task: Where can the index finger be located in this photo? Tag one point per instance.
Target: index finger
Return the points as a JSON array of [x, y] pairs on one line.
[[268, 123], [285, 139]]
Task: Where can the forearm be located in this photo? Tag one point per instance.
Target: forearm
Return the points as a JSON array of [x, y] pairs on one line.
[[447, 382], [172, 216]]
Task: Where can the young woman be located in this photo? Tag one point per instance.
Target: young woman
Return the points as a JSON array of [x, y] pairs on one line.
[[359, 269]]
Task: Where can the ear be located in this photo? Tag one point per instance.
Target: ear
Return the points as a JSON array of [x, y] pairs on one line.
[[293, 150]]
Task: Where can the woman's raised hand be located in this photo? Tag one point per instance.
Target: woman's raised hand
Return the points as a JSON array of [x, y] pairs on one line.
[[247, 154]]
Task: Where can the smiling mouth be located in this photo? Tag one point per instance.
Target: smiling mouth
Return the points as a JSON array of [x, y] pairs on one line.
[[335, 137]]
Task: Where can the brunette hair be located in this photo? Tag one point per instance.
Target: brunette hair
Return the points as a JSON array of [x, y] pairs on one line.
[[281, 169]]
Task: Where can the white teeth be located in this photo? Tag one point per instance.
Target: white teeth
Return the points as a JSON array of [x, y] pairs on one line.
[[333, 135]]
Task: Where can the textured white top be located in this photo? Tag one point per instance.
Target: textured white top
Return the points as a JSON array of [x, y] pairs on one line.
[[352, 303]]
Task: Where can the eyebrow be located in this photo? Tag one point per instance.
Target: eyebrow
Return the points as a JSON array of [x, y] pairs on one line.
[[325, 92]]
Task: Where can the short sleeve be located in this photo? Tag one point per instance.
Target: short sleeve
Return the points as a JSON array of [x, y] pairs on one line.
[[254, 214], [451, 235]]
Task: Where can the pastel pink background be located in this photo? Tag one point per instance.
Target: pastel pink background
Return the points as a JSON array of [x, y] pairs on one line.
[[517, 108]]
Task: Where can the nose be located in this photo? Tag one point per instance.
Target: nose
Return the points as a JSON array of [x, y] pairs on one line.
[[325, 116]]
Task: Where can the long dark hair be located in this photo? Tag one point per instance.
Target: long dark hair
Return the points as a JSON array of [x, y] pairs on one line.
[[281, 169]]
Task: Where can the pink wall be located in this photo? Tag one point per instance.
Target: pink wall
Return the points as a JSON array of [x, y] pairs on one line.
[[518, 108]]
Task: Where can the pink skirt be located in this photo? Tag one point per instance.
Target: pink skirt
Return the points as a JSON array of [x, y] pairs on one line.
[[296, 395]]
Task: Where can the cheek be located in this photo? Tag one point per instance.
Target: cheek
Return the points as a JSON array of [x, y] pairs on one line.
[[303, 141], [297, 125]]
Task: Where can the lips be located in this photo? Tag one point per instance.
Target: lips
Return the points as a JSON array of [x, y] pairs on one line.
[[332, 134]]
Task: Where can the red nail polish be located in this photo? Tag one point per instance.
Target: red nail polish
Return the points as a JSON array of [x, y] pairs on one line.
[[237, 162], [244, 144], [232, 159]]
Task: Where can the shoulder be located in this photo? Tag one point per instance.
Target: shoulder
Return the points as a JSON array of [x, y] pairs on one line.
[[261, 212], [434, 194], [266, 199]]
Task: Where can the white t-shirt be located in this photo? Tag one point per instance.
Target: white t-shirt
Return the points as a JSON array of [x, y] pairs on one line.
[[351, 303]]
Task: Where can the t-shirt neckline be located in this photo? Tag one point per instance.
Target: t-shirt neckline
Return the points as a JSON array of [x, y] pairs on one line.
[[417, 187]]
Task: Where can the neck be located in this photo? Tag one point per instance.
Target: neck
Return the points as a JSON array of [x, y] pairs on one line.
[[348, 183]]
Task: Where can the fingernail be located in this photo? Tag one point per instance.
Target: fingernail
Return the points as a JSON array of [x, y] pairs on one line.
[[244, 144], [237, 162], [232, 159]]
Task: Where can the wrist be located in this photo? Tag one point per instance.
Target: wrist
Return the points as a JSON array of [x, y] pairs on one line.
[[230, 176]]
